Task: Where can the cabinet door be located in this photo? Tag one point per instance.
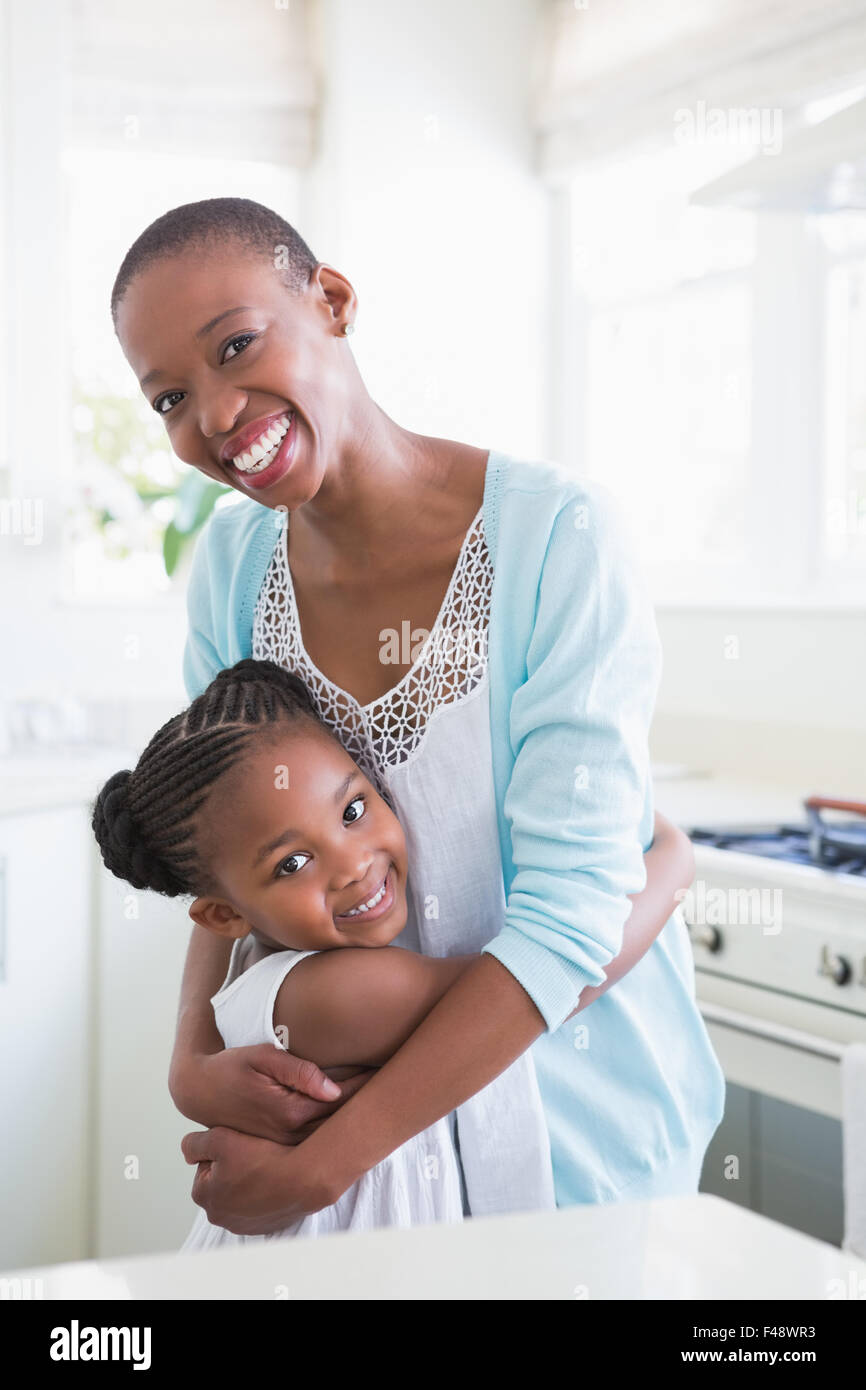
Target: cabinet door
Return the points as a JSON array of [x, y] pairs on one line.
[[45, 1041], [143, 1184]]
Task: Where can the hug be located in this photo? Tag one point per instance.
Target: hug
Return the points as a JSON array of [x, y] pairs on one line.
[[436, 968]]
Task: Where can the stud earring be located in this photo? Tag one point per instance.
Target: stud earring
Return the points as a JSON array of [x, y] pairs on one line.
[[347, 329]]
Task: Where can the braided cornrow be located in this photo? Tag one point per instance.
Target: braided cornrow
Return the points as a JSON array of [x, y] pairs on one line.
[[144, 820]]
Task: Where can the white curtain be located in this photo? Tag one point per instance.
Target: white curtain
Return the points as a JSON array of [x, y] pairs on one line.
[[193, 77], [612, 72]]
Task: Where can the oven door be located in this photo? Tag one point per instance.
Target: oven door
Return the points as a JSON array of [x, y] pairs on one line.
[[778, 1149]]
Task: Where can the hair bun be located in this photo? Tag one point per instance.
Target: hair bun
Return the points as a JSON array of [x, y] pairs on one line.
[[120, 843]]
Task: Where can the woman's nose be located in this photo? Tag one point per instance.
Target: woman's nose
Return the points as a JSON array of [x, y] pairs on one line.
[[219, 412]]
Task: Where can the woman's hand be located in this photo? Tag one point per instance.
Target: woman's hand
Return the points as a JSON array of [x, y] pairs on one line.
[[252, 1186], [262, 1091]]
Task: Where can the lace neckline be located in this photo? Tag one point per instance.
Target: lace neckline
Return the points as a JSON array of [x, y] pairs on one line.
[[417, 664]]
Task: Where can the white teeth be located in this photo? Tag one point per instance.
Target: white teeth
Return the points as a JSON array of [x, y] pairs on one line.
[[263, 450], [365, 907]]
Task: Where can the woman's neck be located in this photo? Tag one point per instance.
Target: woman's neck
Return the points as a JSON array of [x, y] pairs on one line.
[[381, 492]]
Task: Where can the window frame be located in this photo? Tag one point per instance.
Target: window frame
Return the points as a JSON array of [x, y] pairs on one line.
[[786, 567]]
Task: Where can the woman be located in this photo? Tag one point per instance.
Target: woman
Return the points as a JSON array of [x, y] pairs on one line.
[[511, 737]]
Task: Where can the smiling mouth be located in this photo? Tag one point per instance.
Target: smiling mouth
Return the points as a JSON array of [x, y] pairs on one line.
[[371, 903], [262, 452]]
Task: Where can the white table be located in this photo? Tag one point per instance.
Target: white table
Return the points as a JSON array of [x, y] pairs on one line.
[[676, 1248]]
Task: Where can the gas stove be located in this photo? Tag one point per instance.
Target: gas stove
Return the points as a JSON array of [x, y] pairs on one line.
[[838, 847], [776, 915]]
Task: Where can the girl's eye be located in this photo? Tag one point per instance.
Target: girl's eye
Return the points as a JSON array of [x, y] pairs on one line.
[[244, 338], [288, 860], [354, 802], [160, 400], [301, 854]]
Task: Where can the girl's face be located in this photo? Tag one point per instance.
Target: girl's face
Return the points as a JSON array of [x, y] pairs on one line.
[[297, 836], [226, 354]]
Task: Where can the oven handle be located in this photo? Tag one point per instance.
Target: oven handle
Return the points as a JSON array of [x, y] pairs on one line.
[[772, 1032]]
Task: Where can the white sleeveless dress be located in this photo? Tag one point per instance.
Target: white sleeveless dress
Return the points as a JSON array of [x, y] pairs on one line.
[[418, 1184]]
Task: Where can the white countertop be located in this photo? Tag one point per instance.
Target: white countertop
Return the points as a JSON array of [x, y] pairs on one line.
[[711, 800], [676, 1248]]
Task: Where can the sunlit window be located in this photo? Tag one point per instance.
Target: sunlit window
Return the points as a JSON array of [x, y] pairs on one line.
[[135, 509], [667, 289], [845, 390]]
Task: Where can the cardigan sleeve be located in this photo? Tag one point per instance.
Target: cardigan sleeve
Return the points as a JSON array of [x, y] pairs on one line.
[[578, 803], [201, 660]]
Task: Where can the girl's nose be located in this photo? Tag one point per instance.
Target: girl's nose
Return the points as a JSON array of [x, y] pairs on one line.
[[355, 870]]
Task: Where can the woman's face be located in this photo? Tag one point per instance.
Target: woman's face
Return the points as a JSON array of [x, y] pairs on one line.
[[242, 371], [297, 836]]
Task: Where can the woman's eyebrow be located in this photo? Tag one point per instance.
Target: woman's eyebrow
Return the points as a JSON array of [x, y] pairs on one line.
[[212, 323], [206, 328]]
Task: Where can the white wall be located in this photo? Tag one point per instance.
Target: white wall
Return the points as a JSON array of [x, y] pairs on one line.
[[789, 707], [424, 196]]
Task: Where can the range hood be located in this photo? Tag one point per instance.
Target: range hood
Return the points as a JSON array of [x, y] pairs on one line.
[[820, 168]]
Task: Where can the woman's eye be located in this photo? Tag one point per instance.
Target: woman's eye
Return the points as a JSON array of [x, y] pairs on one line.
[[160, 401], [243, 338], [355, 802], [291, 859]]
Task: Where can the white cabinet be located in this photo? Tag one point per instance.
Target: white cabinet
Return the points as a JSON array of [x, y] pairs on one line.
[[46, 1012], [90, 1161], [142, 1198]]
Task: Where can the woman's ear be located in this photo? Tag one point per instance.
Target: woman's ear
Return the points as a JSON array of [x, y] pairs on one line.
[[220, 917]]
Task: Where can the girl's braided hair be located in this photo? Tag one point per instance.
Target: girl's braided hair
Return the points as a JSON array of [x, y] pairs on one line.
[[144, 820]]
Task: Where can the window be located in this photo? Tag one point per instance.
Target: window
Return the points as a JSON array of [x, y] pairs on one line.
[[126, 476], [844, 237], [722, 393]]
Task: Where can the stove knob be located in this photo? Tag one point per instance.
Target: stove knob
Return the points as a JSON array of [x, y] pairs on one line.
[[837, 967], [708, 937]]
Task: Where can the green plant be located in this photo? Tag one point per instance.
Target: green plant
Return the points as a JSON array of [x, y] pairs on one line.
[[134, 491], [194, 500]]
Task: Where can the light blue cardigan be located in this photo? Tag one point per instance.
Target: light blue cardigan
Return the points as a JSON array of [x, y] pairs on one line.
[[632, 1088]]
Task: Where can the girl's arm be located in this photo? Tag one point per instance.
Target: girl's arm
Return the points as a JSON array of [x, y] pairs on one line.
[[357, 1005], [259, 1090]]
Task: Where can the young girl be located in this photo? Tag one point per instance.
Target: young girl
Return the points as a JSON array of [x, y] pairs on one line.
[[248, 802], [208, 811]]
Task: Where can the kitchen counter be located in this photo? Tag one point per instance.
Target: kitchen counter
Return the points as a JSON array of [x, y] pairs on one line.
[[697, 1247], [47, 778], [710, 800]]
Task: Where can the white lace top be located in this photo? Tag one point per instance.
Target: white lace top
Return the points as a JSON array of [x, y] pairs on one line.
[[418, 743], [425, 746]]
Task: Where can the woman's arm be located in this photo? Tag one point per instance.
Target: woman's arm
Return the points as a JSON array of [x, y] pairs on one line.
[[448, 1028], [331, 1016], [670, 866], [243, 1182], [357, 1006]]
